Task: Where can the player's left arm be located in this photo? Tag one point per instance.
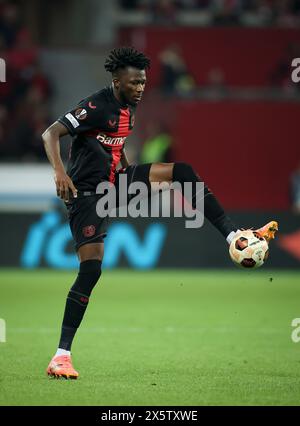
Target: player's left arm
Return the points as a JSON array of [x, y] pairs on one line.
[[124, 159]]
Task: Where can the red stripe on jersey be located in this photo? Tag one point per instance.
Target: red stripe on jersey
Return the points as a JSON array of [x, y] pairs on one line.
[[116, 156], [123, 128], [123, 131]]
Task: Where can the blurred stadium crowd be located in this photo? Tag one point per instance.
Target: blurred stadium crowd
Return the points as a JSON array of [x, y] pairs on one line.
[[27, 95], [24, 97], [220, 12]]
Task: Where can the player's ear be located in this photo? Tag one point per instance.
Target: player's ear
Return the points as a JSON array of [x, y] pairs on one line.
[[116, 82]]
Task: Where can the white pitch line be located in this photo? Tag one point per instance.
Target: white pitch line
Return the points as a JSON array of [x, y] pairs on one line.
[[168, 329]]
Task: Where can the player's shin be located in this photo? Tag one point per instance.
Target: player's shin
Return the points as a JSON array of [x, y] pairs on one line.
[[77, 301], [213, 210]]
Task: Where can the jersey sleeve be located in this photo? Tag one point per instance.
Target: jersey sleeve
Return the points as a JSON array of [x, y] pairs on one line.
[[84, 117]]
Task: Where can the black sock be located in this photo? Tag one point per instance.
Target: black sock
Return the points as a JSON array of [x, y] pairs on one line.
[[213, 211], [77, 300]]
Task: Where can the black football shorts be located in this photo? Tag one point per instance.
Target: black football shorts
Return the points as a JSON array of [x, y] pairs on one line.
[[85, 224]]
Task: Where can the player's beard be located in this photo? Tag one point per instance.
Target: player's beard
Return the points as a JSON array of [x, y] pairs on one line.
[[128, 99]]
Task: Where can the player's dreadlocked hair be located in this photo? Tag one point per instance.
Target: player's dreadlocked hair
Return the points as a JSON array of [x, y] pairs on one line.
[[124, 57]]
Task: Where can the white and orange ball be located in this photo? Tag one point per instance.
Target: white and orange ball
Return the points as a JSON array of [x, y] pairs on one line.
[[248, 249]]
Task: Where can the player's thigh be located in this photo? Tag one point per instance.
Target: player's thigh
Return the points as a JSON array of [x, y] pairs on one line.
[[161, 172], [91, 251], [87, 226], [132, 175], [146, 173]]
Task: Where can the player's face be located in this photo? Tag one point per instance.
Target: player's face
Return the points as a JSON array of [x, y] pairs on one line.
[[130, 85]]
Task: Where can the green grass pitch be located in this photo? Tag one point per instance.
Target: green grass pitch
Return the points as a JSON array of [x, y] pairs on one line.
[[155, 338]]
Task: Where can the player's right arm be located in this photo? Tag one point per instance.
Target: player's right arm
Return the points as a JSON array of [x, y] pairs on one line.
[[51, 143]]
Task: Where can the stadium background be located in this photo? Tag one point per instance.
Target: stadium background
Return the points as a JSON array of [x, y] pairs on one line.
[[219, 87], [219, 96]]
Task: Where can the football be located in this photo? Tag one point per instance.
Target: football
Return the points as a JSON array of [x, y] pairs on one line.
[[248, 249]]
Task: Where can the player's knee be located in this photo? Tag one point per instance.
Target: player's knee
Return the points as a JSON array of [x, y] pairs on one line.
[[88, 276], [184, 172]]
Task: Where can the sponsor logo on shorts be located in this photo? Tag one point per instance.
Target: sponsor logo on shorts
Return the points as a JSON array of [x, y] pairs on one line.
[[80, 114], [89, 231]]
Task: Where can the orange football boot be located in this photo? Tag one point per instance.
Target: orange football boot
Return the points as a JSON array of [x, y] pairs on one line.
[[61, 366], [268, 231]]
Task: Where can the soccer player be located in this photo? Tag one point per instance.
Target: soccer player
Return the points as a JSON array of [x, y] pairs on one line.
[[100, 125]]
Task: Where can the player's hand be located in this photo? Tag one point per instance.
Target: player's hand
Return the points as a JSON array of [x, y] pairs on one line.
[[63, 185]]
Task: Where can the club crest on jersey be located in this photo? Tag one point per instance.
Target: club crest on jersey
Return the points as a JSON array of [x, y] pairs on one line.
[[80, 114], [89, 231], [108, 140]]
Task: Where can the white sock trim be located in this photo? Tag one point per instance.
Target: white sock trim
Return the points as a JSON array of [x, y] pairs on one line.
[[62, 352], [231, 236]]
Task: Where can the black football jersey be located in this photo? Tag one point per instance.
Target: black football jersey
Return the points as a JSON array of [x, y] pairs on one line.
[[100, 125]]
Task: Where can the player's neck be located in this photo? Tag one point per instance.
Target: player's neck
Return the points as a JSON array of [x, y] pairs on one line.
[[119, 97]]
